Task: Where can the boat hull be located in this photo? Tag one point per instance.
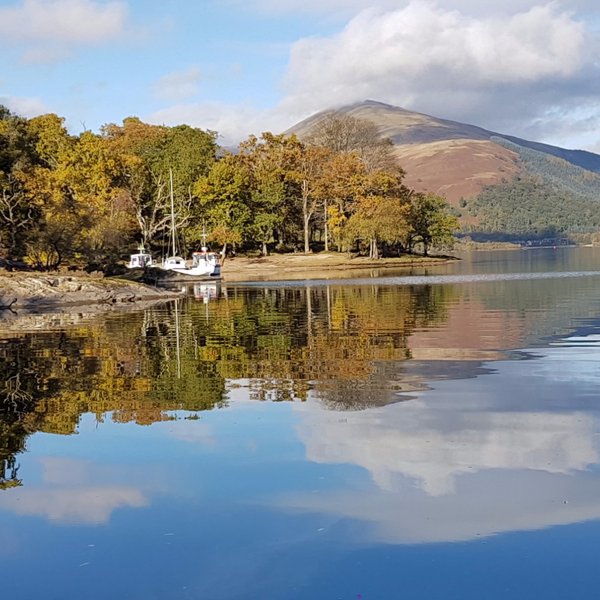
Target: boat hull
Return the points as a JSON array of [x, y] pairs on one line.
[[158, 275]]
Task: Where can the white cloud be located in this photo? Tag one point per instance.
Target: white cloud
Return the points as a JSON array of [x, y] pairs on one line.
[[233, 122], [49, 29], [178, 85], [65, 495], [349, 7], [411, 442], [465, 461], [520, 67], [487, 504], [24, 107], [93, 504], [422, 50]]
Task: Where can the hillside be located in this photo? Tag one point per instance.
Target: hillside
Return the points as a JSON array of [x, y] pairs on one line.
[[463, 162], [450, 158]]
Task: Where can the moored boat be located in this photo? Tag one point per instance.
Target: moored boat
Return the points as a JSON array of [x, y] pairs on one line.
[[204, 264], [140, 260]]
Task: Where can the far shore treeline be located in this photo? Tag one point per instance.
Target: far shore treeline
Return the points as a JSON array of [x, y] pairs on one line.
[[91, 199]]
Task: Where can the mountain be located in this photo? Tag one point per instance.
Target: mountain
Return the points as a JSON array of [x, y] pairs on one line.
[[452, 158]]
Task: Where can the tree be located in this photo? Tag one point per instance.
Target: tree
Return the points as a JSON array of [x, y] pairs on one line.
[[381, 212], [223, 196], [342, 183], [151, 155], [58, 232], [17, 157], [309, 171], [344, 133], [17, 214], [430, 222], [267, 161]]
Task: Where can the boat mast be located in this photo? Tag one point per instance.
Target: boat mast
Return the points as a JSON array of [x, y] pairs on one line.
[[204, 236], [172, 214]]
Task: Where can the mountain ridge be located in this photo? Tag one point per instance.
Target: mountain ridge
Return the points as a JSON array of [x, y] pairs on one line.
[[457, 160]]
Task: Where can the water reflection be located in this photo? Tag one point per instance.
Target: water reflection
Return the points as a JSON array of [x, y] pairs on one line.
[[350, 347], [465, 461], [354, 422]]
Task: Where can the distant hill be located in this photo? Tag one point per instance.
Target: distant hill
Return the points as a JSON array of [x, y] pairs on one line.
[[462, 162]]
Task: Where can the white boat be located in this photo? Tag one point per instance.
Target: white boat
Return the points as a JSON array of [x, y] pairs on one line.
[[204, 264], [140, 260]]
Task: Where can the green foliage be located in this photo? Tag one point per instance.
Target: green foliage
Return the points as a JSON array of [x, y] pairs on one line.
[[551, 196], [532, 207], [431, 222]]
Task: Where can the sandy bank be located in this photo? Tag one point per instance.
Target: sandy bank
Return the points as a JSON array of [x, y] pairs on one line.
[[314, 266]]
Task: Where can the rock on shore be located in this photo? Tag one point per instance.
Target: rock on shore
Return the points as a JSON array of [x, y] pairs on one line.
[[33, 291]]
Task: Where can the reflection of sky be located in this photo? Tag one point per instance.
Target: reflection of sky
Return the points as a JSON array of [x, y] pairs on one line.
[[294, 501], [71, 491], [470, 458]]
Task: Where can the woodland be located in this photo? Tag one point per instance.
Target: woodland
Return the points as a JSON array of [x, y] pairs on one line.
[[551, 197], [91, 199]]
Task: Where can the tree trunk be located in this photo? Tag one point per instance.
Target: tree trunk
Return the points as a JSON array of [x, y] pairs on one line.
[[306, 234], [326, 229], [373, 250]]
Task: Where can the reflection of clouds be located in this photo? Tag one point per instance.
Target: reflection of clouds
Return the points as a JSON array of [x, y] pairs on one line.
[[67, 497], [192, 431], [504, 451], [485, 504], [74, 505], [410, 442]]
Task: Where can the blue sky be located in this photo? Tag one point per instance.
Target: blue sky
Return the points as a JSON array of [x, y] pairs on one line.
[[524, 67]]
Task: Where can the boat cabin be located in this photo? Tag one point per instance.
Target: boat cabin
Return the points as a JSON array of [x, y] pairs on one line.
[[140, 261]]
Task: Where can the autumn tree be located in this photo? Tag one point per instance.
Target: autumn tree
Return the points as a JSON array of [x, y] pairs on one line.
[[309, 174], [381, 213], [342, 183], [268, 161], [18, 213], [136, 144], [223, 195], [153, 156]]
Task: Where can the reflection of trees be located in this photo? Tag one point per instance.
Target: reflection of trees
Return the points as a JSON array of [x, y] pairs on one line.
[[18, 392], [125, 365], [287, 340], [142, 366]]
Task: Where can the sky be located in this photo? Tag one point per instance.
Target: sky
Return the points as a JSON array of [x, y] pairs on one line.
[[522, 67]]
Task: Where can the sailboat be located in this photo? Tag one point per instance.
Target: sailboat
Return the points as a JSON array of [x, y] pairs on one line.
[[204, 264]]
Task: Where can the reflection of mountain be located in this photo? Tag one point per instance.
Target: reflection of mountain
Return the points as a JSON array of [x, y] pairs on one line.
[[474, 459]]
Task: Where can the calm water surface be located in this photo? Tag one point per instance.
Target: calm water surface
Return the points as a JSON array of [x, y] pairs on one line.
[[368, 438]]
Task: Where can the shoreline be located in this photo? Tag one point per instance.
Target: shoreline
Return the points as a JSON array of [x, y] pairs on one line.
[[29, 292], [25, 292]]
